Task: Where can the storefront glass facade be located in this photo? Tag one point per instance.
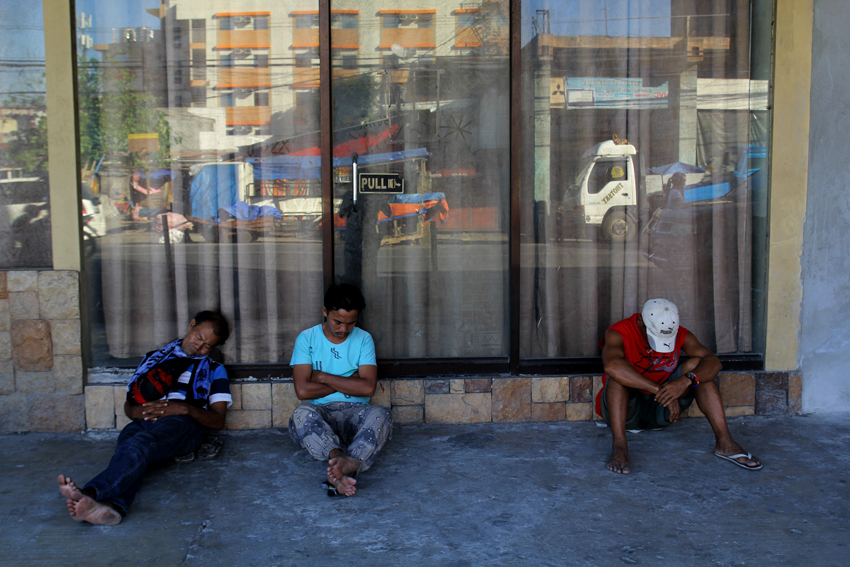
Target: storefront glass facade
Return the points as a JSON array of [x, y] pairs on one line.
[[500, 216]]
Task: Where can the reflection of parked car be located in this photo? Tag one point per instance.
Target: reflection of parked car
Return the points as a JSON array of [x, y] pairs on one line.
[[24, 222], [94, 222]]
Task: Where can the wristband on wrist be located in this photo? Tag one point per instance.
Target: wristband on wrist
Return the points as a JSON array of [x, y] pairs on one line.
[[693, 378]]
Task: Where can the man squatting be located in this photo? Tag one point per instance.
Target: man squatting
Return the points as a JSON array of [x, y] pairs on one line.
[[647, 386]]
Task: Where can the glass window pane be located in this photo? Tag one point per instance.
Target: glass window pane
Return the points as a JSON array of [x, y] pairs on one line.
[[25, 239], [185, 119], [431, 257], [390, 20], [306, 21], [643, 170], [344, 21], [467, 20]]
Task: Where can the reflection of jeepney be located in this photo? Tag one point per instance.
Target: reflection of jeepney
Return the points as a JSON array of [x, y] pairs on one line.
[[396, 217]]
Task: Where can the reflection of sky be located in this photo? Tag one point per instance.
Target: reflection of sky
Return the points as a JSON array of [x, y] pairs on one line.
[[634, 18], [22, 37], [22, 31], [109, 16], [21, 49]]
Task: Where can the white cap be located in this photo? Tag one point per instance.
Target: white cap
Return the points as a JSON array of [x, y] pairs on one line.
[[661, 318]]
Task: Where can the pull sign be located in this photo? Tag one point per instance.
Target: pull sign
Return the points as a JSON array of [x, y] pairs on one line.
[[386, 183]]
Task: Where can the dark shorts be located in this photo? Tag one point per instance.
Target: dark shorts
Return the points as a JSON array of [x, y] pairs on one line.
[[643, 411]]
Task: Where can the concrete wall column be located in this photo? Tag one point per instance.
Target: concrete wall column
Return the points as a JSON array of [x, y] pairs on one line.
[[789, 167], [824, 321], [62, 152]]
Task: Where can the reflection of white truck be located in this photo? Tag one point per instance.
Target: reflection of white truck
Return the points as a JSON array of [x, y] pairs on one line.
[[605, 191], [611, 184]]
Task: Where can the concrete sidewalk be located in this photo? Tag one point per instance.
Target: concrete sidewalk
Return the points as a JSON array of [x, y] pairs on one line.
[[525, 494]]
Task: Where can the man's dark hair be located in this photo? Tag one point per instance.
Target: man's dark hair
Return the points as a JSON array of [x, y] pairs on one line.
[[220, 326], [344, 296]]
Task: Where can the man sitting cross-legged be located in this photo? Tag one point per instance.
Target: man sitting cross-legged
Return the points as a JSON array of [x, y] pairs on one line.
[[334, 369], [174, 394], [647, 386]]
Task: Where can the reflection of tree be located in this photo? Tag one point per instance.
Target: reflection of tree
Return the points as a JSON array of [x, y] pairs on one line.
[[28, 149], [354, 100], [90, 101], [127, 111], [111, 109]]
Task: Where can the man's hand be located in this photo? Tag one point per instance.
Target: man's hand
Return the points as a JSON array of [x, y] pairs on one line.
[[675, 410], [668, 395], [212, 418], [152, 411]]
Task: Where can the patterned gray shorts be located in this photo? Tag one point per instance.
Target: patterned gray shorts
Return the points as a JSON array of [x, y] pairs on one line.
[[362, 427]]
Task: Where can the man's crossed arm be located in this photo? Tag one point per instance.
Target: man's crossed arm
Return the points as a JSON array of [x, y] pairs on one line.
[[313, 384], [701, 362]]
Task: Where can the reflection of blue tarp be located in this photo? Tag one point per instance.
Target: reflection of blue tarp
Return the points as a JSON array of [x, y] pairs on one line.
[[678, 167], [417, 198], [213, 188], [156, 174], [708, 192], [243, 211], [310, 167], [287, 167]]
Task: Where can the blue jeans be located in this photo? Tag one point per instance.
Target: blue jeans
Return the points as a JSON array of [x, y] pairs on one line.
[[140, 445]]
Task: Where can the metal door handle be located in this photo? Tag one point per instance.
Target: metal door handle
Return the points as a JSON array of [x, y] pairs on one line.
[[354, 181]]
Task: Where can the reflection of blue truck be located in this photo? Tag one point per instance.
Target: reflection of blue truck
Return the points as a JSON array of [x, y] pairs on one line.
[[726, 173], [735, 177]]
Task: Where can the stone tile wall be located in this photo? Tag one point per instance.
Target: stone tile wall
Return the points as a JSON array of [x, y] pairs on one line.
[[260, 405], [41, 367]]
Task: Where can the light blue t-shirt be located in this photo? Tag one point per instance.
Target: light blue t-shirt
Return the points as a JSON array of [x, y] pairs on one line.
[[313, 347]]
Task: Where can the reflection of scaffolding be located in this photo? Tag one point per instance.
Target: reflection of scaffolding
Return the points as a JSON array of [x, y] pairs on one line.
[[491, 26], [540, 23]]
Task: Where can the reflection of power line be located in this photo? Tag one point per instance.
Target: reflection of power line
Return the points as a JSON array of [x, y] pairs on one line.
[[15, 65]]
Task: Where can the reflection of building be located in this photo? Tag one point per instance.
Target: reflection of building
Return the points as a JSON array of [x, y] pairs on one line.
[[652, 90], [259, 63], [136, 58]]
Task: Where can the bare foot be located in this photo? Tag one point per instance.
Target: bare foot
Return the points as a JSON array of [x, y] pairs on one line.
[[341, 470], [619, 461], [732, 448], [344, 485], [90, 510], [341, 465], [85, 509], [68, 489]]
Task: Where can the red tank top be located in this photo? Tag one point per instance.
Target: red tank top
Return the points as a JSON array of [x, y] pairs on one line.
[[656, 366]]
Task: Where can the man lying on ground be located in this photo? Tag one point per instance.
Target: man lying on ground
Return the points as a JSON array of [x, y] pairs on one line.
[[174, 394]]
